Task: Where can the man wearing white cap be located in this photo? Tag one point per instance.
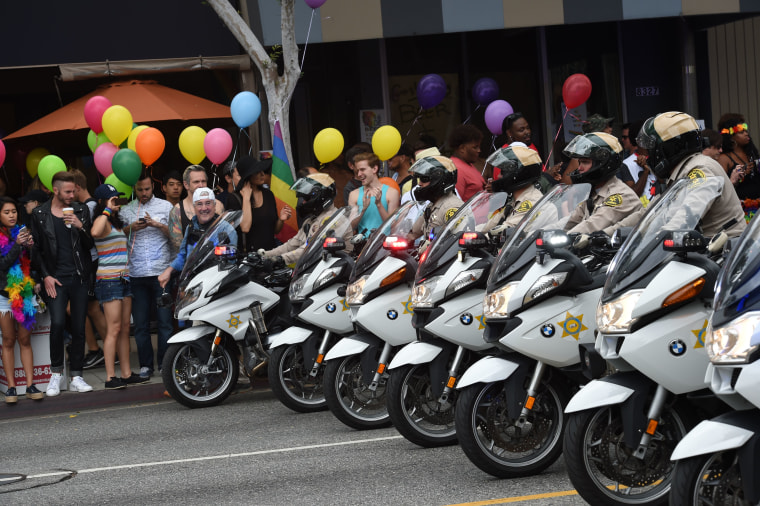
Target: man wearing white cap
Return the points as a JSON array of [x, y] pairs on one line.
[[204, 203]]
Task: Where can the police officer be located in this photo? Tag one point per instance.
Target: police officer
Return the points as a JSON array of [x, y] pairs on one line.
[[599, 157], [437, 177], [674, 143], [520, 169]]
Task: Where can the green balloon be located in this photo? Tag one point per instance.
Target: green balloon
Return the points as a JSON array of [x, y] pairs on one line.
[[47, 168], [94, 140], [124, 188], [127, 166]]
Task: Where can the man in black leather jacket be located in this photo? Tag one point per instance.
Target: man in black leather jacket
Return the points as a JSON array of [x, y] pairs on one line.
[[61, 256]]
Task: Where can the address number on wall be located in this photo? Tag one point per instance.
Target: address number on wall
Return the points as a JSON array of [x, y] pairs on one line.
[[647, 91]]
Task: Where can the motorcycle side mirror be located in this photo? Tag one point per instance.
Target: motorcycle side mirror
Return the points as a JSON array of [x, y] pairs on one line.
[[684, 241]]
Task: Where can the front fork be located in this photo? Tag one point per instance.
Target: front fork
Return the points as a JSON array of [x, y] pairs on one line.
[[653, 420], [535, 381], [321, 354], [453, 375], [381, 366]]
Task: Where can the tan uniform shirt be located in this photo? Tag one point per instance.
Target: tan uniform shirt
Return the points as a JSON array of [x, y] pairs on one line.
[[439, 212], [292, 250], [612, 201], [521, 207]]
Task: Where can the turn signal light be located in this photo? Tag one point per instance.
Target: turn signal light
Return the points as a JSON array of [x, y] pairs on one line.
[[685, 293], [394, 278]]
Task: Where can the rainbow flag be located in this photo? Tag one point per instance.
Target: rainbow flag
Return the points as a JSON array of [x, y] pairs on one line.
[[282, 180]]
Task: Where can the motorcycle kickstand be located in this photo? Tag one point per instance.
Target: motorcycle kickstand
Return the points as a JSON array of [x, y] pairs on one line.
[[320, 354], [653, 417], [453, 372], [532, 392], [380, 367]]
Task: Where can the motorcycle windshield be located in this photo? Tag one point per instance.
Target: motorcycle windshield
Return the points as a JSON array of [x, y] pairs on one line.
[[399, 224], [481, 213], [338, 225], [738, 287], [680, 208], [552, 212], [202, 256]]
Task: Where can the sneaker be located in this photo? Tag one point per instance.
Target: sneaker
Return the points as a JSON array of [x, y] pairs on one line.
[[135, 379], [115, 384], [11, 397], [146, 372], [78, 384], [34, 393], [54, 386], [93, 358]]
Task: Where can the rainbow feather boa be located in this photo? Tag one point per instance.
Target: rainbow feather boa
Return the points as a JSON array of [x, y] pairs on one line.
[[20, 286]]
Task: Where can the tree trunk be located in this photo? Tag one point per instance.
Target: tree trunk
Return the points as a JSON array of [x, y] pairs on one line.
[[278, 88]]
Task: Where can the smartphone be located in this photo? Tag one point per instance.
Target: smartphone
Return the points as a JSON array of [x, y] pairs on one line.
[[121, 201]]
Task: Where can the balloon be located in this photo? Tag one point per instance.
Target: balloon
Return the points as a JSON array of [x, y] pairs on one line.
[[2, 153], [386, 142], [117, 123], [149, 145], [48, 167], [576, 90], [94, 140], [328, 145], [191, 144], [127, 166], [245, 109], [133, 136], [390, 182], [315, 4], [430, 91], [33, 160], [119, 185], [495, 114], [218, 145], [485, 91], [93, 112], [104, 158]]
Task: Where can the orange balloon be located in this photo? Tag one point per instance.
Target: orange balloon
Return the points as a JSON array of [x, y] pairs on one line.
[[150, 144], [390, 182]]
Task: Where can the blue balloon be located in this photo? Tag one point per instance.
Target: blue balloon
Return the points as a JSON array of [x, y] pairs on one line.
[[431, 91], [245, 109], [485, 91]]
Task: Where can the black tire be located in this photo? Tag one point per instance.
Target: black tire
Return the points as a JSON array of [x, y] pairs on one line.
[[291, 381], [603, 469], [416, 412], [187, 382], [349, 397], [490, 439], [708, 479]]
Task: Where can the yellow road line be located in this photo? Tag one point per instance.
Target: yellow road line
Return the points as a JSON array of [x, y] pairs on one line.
[[507, 500]]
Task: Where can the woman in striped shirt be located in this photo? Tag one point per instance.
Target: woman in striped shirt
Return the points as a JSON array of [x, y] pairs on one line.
[[112, 285]]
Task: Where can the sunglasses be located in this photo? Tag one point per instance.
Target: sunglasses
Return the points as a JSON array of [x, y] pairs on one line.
[[423, 179], [741, 127]]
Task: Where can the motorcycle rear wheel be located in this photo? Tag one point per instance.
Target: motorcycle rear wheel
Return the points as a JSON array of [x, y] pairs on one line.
[[189, 382], [291, 381], [349, 397], [707, 480], [416, 412]]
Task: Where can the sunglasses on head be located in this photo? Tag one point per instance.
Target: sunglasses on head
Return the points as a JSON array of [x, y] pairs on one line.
[[741, 127]]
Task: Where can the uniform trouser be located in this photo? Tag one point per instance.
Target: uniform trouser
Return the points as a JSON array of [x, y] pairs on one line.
[[73, 291], [145, 292]]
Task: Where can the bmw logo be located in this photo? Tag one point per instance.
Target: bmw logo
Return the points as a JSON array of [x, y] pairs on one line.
[[392, 314], [677, 347], [547, 330], [330, 307], [466, 319]]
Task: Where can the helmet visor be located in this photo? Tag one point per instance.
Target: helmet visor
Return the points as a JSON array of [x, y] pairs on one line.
[[425, 167], [305, 186], [502, 161], [581, 147], [645, 140]]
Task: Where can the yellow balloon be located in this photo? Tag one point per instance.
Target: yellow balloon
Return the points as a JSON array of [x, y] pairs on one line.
[[33, 160], [328, 145], [191, 144], [117, 123], [386, 142], [133, 136]]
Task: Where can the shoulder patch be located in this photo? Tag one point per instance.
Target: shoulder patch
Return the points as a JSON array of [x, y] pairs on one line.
[[614, 200], [524, 207], [451, 212], [696, 173]]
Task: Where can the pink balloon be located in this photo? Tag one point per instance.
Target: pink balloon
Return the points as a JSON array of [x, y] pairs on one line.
[[103, 158], [495, 114], [315, 4], [218, 145], [93, 112], [2, 153]]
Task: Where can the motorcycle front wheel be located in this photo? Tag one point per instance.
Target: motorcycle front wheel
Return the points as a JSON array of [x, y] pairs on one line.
[[603, 468], [349, 397], [192, 382], [291, 381], [708, 480], [490, 438], [416, 412]]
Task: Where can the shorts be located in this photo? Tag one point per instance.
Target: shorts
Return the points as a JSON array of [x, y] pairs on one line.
[[5, 305], [107, 290]]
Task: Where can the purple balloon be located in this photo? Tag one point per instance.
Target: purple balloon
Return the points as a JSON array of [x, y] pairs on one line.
[[315, 4], [495, 114], [485, 91], [430, 91]]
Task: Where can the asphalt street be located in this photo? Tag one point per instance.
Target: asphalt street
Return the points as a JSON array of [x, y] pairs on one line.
[[249, 450]]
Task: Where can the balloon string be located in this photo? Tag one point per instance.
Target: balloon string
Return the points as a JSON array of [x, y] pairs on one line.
[[470, 116], [308, 33], [555, 139], [414, 122]]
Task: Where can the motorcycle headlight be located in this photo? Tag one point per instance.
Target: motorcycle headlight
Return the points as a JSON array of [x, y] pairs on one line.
[[544, 285], [495, 303], [355, 291], [190, 296], [614, 317], [463, 280], [422, 293], [326, 276], [296, 288], [734, 343]]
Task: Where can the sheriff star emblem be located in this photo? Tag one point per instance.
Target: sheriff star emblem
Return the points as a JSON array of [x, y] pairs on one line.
[[700, 333], [234, 321], [572, 326]]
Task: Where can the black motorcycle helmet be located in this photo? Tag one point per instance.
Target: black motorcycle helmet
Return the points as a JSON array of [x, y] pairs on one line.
[[315, 193], [520, 166], [669, 137], [439, 171], [605, 152]]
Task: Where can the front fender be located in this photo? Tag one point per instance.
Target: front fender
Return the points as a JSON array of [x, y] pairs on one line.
[[191, 334], [598, 393], [351, 345], [487, 370], [415, 353], [711, 436], [291, 335]]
